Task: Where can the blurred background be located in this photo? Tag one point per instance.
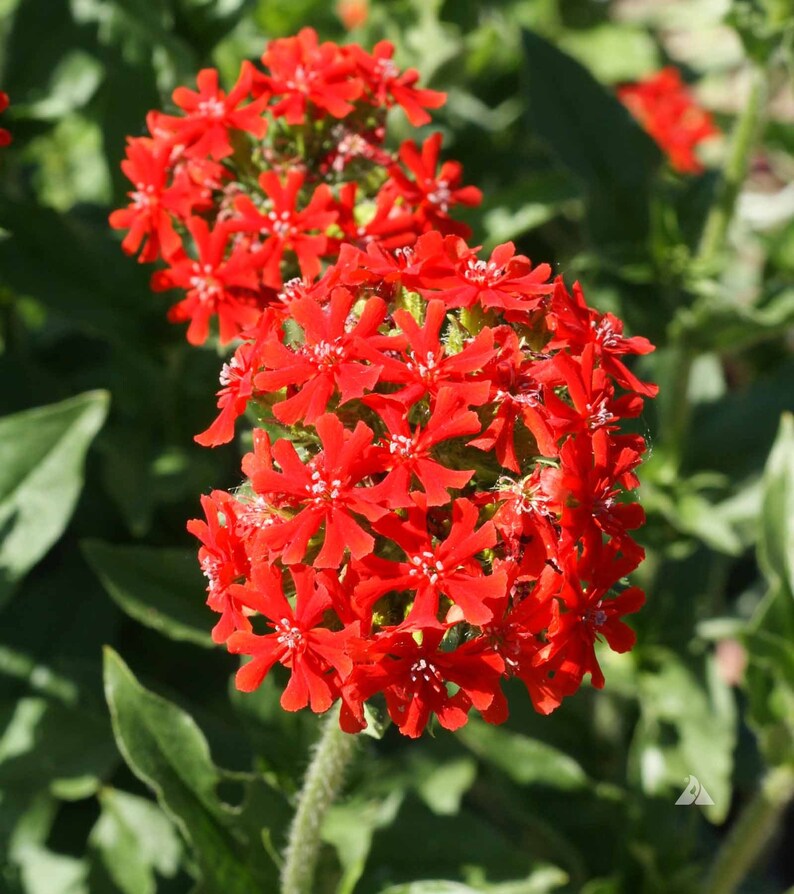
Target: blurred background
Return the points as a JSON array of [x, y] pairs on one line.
[[98, 472]]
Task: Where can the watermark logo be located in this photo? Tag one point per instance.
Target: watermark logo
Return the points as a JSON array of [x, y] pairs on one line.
[[694, 793]]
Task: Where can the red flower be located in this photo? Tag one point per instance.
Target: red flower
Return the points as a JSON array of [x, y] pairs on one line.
[[237, 380], [588, 482], [576, 325], [387, 85], [413, 676], [521, 618], [425, 365], [323, 491], [5, 135], [149, 216], [307, 75], [514, 394], [298, 641], [407, 453], [210, 114], [283, 227], [506, 281], [588, 614], [666, 109], [390, 227], [326, 361], [223, 561], [432, 193], [226, 287], [527, 519], [431, 570]]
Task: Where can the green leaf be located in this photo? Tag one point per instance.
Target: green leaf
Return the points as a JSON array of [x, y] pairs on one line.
[[613, 52], [720, 326], [442, 786], [525, 760], [134, 839], [687, 727], [540, 881], [161, 588], [776, 540], [45, 872], [42, 453], [66, 749], [589, 130], [350, 827], [166, 750]]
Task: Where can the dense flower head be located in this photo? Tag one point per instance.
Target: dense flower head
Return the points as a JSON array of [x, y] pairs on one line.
[[439, 497], [283, 169], [5, 135], [669, 113]]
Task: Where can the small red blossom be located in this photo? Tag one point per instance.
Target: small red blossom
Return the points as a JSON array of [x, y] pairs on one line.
[[210, 114], [308, 76], [432, 192], [154, 203], [223, 561], [314, 654], [588, 615], [506, 281], [431, 570], [389, 86], [328, 361], [413, 677], [323, 492], [215, 284], [285, 228]]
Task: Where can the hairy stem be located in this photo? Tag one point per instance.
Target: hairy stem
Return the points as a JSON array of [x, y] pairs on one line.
[[321, 785], [751, 833]]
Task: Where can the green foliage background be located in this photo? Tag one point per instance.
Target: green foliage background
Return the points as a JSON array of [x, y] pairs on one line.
[[164, 778]]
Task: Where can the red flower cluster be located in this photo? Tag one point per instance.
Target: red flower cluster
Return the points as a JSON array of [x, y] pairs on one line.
[[239, 192], [446, 502], [665, 108], [5, 136]]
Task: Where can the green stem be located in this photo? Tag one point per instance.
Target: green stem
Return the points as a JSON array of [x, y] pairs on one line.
[[751, 833], [322, 783], [712, 242], [743, 139]]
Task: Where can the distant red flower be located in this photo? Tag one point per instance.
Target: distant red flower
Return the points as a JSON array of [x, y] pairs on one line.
[[5, 135], [667, 110], [352, 13]]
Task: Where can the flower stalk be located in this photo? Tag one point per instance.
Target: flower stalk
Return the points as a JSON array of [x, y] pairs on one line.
[[713, 238], [321, 786], [744, 138], [751, 833]]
